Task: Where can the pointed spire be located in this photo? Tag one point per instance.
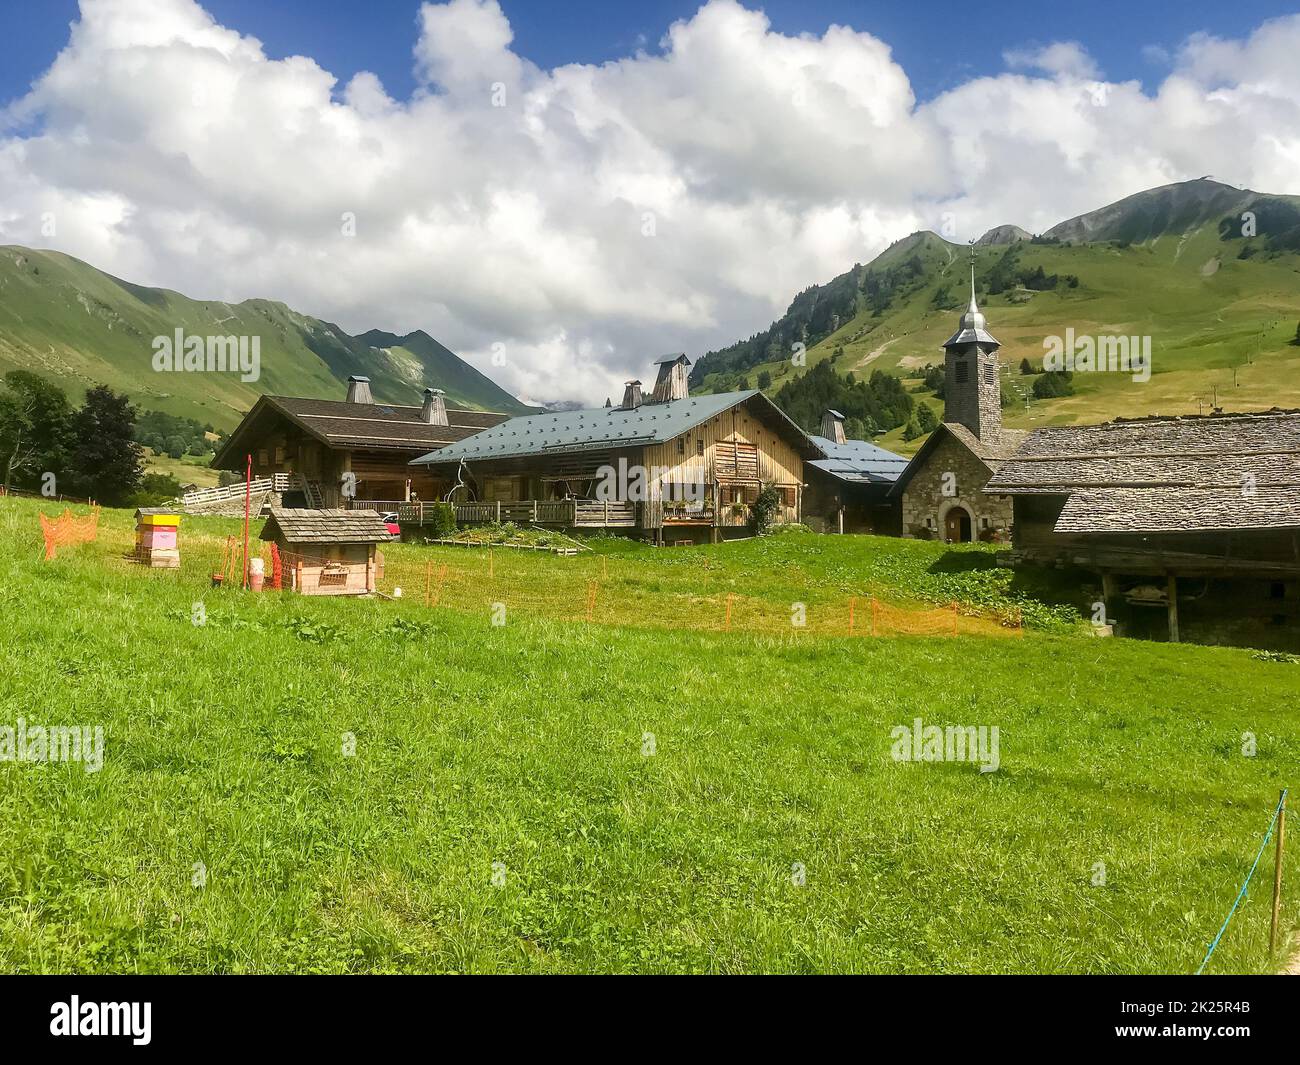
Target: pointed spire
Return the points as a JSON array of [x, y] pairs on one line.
[[972, 277]]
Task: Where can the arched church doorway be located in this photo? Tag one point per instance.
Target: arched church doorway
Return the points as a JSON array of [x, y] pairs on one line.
[[957, 526]]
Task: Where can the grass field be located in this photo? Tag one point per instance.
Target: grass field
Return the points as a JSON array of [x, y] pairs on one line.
[[505, 808]]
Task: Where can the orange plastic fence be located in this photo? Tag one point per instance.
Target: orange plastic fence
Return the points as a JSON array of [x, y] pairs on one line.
[[67, 528]]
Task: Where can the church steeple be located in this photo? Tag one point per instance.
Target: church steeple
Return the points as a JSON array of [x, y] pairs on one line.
[[972, 383]]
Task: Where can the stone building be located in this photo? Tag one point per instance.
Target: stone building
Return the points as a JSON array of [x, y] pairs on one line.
[[941, 491]]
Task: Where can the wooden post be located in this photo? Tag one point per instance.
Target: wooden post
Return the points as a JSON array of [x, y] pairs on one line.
[[852, 601], [498, 512], [428, 578], [591, 600], [1171, 587], [954, 617], [727, 623], [873, 616], [534, 512], [1277, 870]]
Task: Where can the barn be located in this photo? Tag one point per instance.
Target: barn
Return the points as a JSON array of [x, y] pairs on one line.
[[350, 452], [1191, 523]]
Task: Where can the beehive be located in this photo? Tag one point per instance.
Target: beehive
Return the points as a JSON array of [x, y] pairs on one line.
[[155, 537]]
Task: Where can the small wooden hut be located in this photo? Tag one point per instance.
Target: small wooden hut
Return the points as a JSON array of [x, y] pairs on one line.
[[328, 552]]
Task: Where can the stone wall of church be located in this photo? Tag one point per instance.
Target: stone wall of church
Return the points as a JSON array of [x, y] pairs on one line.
[[930, 495]]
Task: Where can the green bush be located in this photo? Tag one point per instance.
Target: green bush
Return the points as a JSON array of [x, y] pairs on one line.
[[762, 514], [439, 521]]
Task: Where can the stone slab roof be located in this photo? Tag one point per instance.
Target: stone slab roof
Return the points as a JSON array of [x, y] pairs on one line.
[[1192, 473]]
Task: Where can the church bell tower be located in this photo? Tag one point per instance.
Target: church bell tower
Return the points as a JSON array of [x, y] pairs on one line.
[[972, 385]]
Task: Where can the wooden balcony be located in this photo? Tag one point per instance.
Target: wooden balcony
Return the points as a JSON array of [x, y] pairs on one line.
[[560, 513]]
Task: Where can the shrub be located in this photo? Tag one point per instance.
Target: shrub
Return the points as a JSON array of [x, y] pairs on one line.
[[440, 520], [762, 514]]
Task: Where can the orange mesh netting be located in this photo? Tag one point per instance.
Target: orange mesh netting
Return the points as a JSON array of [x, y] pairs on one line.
[[67, 529]]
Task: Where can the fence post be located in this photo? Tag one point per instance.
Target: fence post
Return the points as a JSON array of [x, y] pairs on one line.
[[853, 599], [1277, 870], [498, 512], [873, 615], [954, 617], [428, 577], [727, 623]]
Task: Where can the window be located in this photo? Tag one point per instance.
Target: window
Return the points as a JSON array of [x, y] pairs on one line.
[[261, 457], [929, 523], [699, 447], [279, 455], [984, 523], [962, 372], [787, 497]]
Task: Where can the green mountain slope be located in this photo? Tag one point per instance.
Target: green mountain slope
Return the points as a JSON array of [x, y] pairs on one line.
[[64, 319], [1221, 308]]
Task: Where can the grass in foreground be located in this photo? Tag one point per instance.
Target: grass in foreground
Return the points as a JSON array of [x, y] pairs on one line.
[[523, 745]]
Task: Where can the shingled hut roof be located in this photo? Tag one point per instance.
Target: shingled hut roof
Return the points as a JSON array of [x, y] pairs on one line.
[[325, 526], [1191, 473]]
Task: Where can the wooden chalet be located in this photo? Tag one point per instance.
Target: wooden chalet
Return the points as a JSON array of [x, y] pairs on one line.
[[849, 490], [1197, 517], [353, 452], [672, 467], [328, 552]]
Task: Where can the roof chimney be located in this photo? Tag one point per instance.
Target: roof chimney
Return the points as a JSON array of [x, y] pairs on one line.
[[631, 395], [671, 382], [359, 390], [435, 407], [833, 426]]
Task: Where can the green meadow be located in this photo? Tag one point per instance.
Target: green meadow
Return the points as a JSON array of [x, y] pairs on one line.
[[378, 785]]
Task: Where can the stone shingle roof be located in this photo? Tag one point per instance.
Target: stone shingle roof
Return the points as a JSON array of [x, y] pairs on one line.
[[602, 428], [325, 526], [858, 461], [1192, 473]]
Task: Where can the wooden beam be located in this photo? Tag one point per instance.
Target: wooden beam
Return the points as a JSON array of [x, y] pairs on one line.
[[1171, 586]]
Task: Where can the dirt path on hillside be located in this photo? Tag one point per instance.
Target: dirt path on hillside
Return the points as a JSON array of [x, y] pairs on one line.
[[1292, 967]]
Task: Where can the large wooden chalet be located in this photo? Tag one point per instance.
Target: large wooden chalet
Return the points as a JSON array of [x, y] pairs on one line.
[[1195, 516], [670, 466], [350, 452]]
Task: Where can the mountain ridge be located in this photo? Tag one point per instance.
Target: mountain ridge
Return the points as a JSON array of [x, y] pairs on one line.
[[78, 326]]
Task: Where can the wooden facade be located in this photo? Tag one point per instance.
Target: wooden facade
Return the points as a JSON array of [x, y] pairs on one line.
[[348, 453], [328, 552], [695, 485]]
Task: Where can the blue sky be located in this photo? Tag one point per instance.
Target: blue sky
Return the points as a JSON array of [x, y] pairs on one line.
[[939, 43], [593, 216]]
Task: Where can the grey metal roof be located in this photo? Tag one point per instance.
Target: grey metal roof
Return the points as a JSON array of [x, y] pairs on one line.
[[672, 358], [858, 461], [601, 428]]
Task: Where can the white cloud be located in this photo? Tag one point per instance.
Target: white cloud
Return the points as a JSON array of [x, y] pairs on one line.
[[173, 151]]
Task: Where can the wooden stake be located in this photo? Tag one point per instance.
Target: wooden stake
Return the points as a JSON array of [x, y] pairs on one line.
[[1277, 871], [727, 624], [873, 616], [954, 617], [591, 599], [852, 601], [428, 578]]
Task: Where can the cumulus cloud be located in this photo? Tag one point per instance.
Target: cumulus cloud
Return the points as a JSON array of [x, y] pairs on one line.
[[586, 219]]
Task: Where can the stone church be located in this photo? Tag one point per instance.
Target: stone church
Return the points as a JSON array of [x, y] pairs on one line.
[[941, 489]]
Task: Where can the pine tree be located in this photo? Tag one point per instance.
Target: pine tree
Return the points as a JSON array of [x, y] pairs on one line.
[[106, 462]]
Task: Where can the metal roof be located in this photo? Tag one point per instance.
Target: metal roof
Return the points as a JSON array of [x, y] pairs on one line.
[[858, 461], [601, 428]]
